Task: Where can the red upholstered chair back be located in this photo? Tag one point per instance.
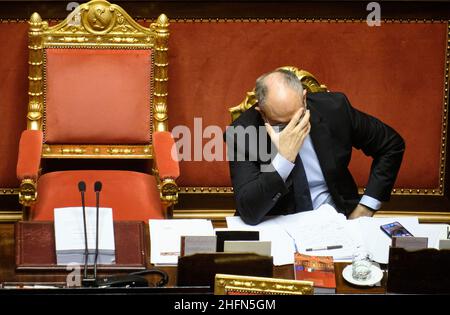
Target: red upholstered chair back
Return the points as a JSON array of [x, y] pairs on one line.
[[98, 96], [98, 83]]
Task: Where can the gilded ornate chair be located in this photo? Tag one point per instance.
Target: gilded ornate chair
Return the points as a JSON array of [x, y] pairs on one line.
[[245, 285], [98, 90], [308, 80]]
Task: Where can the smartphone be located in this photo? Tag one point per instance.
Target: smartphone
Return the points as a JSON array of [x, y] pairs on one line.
[[395, 229]]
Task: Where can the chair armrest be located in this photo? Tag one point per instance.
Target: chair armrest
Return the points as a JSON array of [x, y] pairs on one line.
[[28, 162], [167, 165], [167, 168], [29, 159]]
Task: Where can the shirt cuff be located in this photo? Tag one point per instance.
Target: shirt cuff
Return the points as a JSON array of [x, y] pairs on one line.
[[282, 166], [370, 202]]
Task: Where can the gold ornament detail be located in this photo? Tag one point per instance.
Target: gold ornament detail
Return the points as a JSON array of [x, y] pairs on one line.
[[100, 17], [169, 190], [34, 111], [27, 192]]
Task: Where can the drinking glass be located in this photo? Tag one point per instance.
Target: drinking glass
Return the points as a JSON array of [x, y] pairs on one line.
[[361, 265]]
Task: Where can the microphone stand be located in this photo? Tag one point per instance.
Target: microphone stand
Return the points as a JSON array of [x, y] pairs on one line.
[[131, 280], [86, 251], [97, 188], [86, 281]]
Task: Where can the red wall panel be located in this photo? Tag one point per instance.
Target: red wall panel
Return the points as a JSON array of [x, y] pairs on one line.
[[13, 96], [394, 72]]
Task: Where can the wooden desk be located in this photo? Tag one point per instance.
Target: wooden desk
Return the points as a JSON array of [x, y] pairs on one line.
[[342, 286], [8, 272]]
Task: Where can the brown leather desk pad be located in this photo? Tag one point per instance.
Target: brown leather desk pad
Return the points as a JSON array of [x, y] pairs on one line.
[[35, 246]]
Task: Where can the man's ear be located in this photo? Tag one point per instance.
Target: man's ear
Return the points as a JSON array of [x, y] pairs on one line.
[[260, 111]]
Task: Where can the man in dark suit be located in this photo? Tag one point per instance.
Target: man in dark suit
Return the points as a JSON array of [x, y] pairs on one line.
[[303, 163]]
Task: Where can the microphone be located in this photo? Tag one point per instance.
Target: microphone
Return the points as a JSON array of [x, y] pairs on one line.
[[82, 189], [97, 189], [131, 280]]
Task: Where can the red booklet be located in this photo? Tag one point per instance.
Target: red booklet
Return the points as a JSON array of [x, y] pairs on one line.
[[319, 269]]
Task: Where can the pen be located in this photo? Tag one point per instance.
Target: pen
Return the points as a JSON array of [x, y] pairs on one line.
[[324, 248], [293, 239]]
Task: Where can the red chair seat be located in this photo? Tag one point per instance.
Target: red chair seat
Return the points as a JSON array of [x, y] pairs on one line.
[[131, 195]]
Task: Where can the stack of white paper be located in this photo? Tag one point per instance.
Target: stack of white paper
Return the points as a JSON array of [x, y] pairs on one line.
[[324, 227], [283, 246], [434, 232], [70, 240], [375, 240], [301, 231], [165, 237]]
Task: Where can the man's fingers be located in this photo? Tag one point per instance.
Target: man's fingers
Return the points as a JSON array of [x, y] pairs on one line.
[[305, 132], [295, 118], [308, 129], [304, 122], [269, 129]]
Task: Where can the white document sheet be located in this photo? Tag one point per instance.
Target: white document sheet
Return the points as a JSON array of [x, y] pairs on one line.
[[376, 241], [165, 237], [283, 246], [321, 228], [70, 240], [69, 229], [310, 229], [326, 227], [434, 232]]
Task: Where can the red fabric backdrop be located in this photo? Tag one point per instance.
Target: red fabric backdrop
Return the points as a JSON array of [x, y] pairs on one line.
[[13, 96], [394, 72]]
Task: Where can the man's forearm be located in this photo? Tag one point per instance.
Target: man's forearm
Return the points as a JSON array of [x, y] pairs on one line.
[[256, 198], [370, 202]]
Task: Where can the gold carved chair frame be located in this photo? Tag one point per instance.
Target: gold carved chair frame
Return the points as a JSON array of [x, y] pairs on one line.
[[98, 24]]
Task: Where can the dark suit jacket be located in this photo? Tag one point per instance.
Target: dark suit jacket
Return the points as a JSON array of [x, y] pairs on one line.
[[336, 127]]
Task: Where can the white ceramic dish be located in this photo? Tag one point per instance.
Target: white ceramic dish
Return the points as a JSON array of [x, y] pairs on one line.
[[375, 276]]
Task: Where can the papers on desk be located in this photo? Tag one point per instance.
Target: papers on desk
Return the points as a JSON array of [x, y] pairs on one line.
[[375, 240], [165, 237], [304, 230], [322, 228], [326, 227], [316, 230], [434, 232], [283, 246], [69, 235]]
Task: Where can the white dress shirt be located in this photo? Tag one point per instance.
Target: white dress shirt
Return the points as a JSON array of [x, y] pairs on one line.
[[317, 185]]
